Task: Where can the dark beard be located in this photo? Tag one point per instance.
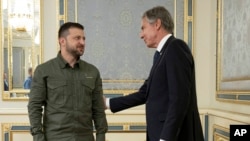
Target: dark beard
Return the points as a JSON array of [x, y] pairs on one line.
[[74, 52]]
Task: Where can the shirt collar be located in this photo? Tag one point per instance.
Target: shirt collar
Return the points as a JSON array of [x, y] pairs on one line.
[[63, 63], [162, 42]]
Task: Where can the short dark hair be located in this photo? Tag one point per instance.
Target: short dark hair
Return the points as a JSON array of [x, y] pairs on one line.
[[63, 31], [160, 12]]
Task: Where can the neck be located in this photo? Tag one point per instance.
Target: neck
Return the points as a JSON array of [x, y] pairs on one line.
[[69, 58], [161, 34]]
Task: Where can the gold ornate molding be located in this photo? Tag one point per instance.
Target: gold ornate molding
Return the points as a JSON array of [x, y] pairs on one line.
[[189, 24], [9, 130], [231, 90], [28, 47], [220, 133]]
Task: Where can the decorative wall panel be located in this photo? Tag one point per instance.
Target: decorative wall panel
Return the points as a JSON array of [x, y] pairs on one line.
[[21, 132], [16, 132], [233, 70], [220, 133], [113, 43]]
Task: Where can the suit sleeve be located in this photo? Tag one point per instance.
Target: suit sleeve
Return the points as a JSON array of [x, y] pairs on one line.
[[179, 74], [124, 102]]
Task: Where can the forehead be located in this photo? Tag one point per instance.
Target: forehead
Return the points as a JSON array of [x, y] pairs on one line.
[[144, 22]]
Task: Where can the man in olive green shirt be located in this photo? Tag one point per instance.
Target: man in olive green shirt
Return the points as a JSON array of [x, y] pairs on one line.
[[66, 96]]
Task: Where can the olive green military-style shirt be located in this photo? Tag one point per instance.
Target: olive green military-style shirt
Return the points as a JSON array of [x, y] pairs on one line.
[[64, 102]]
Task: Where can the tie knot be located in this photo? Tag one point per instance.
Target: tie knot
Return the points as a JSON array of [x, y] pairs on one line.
[[156, 56]]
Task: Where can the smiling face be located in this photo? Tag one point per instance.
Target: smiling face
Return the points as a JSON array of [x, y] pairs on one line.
[[149, 33], [74, 43]]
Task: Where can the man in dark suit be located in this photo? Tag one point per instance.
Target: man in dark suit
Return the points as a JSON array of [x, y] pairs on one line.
[[169, 92]]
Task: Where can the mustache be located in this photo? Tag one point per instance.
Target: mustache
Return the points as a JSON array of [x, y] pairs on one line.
[[81, 46]]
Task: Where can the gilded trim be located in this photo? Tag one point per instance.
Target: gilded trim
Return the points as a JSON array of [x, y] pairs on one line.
[[10, 129], [122, 81], [220, 133], [111, 93], [36, 54], [230, 96], [189, 19], [1, 48], [219, 23], [185, 20]]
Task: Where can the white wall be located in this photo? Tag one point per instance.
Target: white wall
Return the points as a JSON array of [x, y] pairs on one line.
[[205, 50], [50, 27]]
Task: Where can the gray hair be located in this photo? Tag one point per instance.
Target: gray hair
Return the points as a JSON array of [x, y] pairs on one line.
[[160, 12]]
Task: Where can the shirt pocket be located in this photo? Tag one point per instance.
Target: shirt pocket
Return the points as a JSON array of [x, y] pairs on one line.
[[56, 91], [87, 90]]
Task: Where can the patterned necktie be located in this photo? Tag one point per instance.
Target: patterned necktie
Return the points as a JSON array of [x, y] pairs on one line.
[[156, 56]]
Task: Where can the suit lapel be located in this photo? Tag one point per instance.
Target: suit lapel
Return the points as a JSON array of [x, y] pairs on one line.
[[166, 44], [163, 53]]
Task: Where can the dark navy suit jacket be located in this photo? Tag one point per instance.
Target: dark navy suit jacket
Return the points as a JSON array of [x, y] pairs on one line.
[[170, 96]]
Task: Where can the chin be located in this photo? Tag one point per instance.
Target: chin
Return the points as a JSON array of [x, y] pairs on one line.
[[79, 54], [150, 46]]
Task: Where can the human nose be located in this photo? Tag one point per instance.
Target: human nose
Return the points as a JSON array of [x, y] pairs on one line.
[[141, 35], [82, 41]]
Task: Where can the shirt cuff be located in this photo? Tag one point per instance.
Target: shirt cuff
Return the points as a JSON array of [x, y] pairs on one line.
[[36, 130], [107, 103]]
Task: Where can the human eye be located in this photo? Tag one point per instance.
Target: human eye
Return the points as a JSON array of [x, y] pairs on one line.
[[77, 38]]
